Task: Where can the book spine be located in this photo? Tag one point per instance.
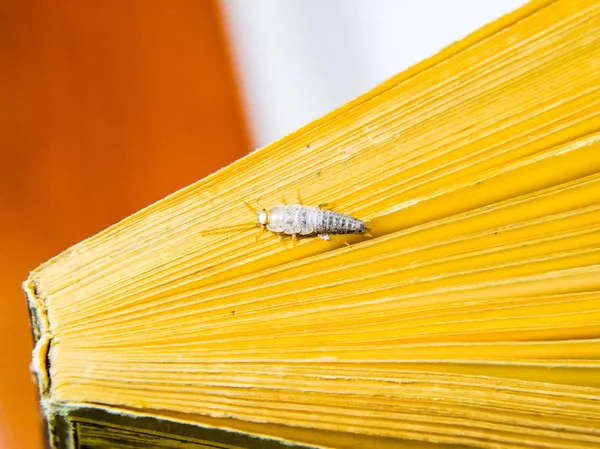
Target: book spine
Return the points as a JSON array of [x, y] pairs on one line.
[[40, 362]]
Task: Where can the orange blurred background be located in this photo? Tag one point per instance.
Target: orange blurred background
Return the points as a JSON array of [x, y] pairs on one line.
[[107, 106]]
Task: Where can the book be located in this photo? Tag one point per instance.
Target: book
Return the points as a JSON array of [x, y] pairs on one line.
[[470, 317]]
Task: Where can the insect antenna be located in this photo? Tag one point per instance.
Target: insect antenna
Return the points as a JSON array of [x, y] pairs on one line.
[[249, 207], [232, 228]]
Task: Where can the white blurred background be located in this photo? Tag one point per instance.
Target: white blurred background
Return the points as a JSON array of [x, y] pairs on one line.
[[299, 59]]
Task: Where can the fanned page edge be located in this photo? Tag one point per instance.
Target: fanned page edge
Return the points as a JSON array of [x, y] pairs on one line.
[[58, 419]]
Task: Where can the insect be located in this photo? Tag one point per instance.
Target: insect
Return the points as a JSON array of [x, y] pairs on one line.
[[296, 219]]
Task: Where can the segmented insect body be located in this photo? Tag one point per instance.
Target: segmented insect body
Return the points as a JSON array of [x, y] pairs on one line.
[[307, 220]]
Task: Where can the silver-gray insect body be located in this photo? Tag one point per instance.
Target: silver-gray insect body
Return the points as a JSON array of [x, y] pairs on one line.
[[296, 219]]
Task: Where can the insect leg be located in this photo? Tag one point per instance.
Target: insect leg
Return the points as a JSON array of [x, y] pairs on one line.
[[325, 206], [336, 239], [294, 240], [299, 197], [282, 240], [328, 238], [260, 234]]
